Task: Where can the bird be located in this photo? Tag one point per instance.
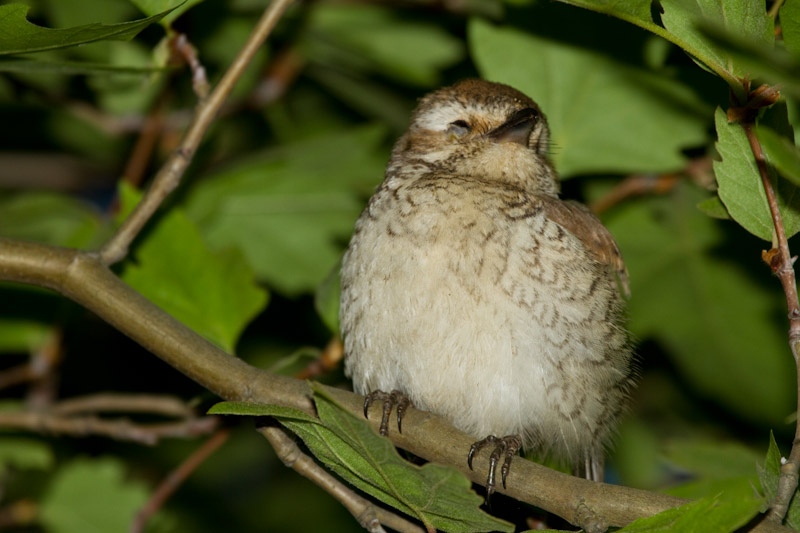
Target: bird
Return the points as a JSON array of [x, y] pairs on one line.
[[470, 289]]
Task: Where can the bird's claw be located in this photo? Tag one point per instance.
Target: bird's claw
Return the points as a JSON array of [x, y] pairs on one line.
[[507, 446], [394, 399]]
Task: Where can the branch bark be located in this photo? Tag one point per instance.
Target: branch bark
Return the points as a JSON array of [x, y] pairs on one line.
[[84, 278]]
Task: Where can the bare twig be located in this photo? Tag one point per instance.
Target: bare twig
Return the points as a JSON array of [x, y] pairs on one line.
[[124, 403], [146, 141], [119, 429], [188, 52], [782, 264], [642, 184], [169, 176], [84, 278], [176, 478], [368, 515]]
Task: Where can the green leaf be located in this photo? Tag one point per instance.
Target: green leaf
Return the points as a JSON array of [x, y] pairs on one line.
[[438, 496], [175, 8], [20, 335], [91, 496], [72, 67], [326, 299], [722, 512], [636, 11], [50, 218], [213, 293], [781, 153], [291, 213], [790, 25], [24, 454], [769, 475], [726, 343], [747, 19], [740, 187], [714, 208], [711, 459], [377, 38], [18, 36], [604, 116], [261, 409]]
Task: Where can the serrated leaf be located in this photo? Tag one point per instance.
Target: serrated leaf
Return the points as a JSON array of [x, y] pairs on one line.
[[781, 153], [91, 496], [725, 342], [18, 36], [439, 496], [605, 116], [213, 293], [50, 218], [24, 454], [790, 25], [292, 209], [771, 471], [722, 512], [375, 37], [261, 409], [740, 187], [175, 8], [747, 19]]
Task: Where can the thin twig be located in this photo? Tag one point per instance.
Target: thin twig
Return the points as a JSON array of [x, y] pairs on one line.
[[782, 264], [119, 429], [146, 141], [174, 480], [124, 403], [774, 8], [368, 515], [169, 176], [329, 358], [188, 52], [642, 184]]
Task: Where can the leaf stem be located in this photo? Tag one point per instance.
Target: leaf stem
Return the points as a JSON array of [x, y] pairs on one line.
[[169, 175], [782, 264]]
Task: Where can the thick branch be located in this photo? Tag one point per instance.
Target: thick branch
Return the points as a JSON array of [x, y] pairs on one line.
[[169, 176], [83, 278]]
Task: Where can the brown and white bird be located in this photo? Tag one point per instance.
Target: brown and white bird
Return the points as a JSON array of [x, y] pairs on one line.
[[470, 288]]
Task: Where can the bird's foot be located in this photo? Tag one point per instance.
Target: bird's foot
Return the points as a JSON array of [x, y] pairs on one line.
[[507, 446], [394, 399]]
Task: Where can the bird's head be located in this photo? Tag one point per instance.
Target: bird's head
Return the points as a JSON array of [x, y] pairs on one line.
[[482, 129]]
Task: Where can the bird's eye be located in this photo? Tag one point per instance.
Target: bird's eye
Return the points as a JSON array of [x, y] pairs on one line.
[[458, 128]]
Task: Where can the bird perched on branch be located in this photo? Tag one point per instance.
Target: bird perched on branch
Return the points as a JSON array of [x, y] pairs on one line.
[[471, 290]]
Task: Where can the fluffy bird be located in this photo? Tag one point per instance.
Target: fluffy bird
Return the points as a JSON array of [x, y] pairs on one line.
[[471, 290]]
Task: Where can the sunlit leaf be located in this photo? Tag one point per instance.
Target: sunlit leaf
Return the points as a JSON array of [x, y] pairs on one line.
[[213, 293]]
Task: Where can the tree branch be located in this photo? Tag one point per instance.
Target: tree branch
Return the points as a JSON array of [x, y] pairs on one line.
[[169, 176], [83, 278]]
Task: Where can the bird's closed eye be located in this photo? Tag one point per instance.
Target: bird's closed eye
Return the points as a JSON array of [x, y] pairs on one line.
[[458, 128]]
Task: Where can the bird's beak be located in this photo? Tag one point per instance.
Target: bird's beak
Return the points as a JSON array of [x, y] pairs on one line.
[[516, 129]]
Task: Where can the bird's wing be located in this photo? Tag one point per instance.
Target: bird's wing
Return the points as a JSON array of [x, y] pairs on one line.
[[581, 222]]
